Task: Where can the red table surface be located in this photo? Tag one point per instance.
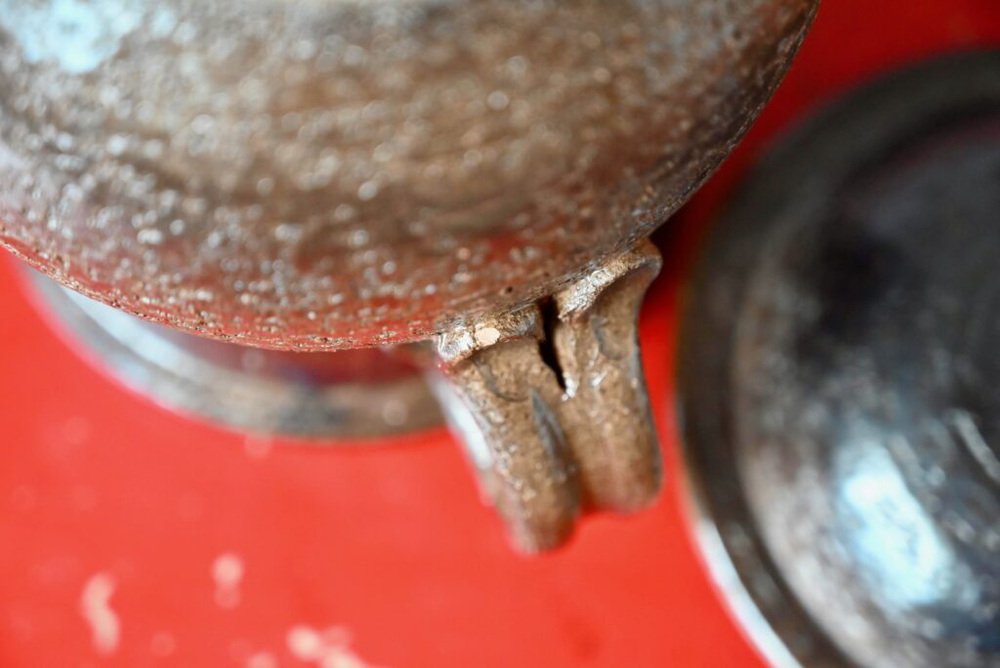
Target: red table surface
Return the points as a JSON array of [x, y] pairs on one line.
[[386, 546]]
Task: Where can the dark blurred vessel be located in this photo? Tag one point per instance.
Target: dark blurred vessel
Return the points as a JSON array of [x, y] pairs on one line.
[[839, 380]]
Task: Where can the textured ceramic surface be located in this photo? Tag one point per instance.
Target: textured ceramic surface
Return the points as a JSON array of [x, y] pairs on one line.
[[330, 174]]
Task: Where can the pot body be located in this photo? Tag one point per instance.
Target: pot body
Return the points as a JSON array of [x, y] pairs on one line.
[[332, 174]]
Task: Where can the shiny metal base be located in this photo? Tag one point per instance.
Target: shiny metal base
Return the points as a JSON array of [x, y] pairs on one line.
[[355, 394], [839, 376]]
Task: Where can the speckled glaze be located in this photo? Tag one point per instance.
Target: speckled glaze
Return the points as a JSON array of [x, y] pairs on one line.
[[332, 173]]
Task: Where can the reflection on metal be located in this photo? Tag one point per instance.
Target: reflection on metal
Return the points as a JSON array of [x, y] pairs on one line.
[[904, 556], [839, 379], [344, 395]]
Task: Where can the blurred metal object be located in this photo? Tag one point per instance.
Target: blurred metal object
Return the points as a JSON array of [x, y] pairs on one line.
[[839, 380], [353, 394], [335, 174]]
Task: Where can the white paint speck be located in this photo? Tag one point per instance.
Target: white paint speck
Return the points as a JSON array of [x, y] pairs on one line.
[[227, 569], [327, 649], [95, 606], [227, 572], [305, 643], [262, 660]]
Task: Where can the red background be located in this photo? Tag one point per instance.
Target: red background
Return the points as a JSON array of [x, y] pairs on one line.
[[388, 542]]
